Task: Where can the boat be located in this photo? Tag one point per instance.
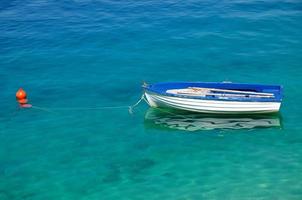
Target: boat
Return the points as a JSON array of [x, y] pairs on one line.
[[215, 97], [189, 121]]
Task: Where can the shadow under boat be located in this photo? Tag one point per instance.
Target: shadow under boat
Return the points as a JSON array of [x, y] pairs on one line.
[[188, 121]]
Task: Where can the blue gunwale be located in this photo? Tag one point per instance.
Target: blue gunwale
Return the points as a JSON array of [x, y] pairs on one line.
[[161, 88]]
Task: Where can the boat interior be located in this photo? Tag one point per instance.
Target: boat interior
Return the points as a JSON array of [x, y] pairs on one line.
[[220, 90]]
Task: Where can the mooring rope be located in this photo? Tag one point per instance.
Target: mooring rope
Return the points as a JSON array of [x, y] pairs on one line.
[[54, 109], [42, 109], [136, 104]]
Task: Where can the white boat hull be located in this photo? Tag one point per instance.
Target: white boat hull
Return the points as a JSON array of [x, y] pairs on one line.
[[211, 106]]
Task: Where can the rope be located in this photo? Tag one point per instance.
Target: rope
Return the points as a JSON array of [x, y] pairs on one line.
[[52, 110], [85, 108], [43, 109], [136, 104]]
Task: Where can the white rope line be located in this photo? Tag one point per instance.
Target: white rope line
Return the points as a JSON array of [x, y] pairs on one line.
[[52, 110], [43, 109], [134, 105], [87, 108]]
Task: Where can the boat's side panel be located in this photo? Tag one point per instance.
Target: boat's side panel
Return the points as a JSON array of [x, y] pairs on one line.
[[211, 106]]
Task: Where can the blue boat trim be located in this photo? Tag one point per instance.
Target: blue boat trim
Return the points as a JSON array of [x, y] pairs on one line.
[[161, 88]]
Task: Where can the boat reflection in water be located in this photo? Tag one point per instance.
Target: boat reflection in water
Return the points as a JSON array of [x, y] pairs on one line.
[[188, 121]]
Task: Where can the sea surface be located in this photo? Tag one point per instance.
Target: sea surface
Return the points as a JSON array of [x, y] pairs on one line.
[[79, 58]]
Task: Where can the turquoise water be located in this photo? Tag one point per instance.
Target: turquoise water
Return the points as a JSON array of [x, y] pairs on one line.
[[97, 53]]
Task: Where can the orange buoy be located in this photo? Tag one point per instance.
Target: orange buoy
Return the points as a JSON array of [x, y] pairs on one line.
[[22, 101], [22, 98], [20, 94]]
